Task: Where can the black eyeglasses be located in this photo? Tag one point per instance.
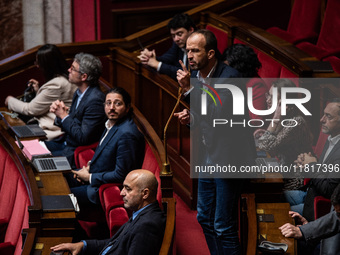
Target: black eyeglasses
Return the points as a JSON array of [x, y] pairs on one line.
[[73, 69]]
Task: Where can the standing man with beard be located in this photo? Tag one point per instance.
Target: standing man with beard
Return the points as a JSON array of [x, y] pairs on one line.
[[180, 26], [217, 201]]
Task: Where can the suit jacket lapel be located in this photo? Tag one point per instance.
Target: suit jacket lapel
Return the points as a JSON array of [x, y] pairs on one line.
[[114, 241], [109, 136], [116, 238], [123, 230], [74, 102], [333, 151], [83, 100], [325, 147], [218, 70]]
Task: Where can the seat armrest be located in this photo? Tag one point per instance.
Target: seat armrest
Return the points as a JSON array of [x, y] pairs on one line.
[[170, 205], [82, 150], [28, 240], [322, 206]]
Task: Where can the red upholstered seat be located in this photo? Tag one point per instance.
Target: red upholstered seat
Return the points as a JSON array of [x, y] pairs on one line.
[[92, 220], [14, 202], [113, 205], [270, 68], [112, 202], [3, 229], [221, 36], [83, 154], [329, 38], [320, 144], [285, 73], [335, 62], [304, 22], [7, 248], [322, 206], [259, 96], [150, 163]]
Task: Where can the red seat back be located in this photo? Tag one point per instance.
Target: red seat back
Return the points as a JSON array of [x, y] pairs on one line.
[[320, 144], [221, 36], [322, 206], [83, 154], [304, 22], [150, 163], [329, 37], [14, 202]]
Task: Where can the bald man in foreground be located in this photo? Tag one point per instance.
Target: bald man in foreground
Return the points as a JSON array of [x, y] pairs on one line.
[[142, 234]]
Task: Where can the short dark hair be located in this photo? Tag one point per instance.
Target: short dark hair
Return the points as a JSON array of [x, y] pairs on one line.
[[335, 198], [210, 41], [181, 20], [119, 90], [90, 65], [126, 96], [51, 61], [242, 58]]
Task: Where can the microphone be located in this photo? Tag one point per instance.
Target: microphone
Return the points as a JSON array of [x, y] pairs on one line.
[[166, 165]]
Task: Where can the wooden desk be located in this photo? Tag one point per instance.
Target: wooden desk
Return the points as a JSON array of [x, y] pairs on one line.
[[55, 223], [9, 121], [270, 230], [41, 245], [51, 223]]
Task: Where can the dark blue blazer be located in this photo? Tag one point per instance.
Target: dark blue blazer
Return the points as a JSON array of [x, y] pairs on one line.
[[121, 151], [142, 236], [225, 144], [222, 71], [170, 61], [85, 124]]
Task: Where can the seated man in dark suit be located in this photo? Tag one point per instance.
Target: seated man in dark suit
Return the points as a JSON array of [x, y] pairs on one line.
[[180, 26], [83, 123], [142, 234], [121, 149], [314, 231], [323, 182]]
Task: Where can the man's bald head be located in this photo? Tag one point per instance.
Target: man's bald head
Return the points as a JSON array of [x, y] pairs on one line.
[[140, 189], [145, 179]]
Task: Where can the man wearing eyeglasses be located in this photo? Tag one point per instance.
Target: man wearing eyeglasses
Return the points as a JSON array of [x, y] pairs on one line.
[[120, 150], [83, 122]]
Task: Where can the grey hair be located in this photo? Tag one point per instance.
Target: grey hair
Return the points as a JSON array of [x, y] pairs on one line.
[[90, 65]]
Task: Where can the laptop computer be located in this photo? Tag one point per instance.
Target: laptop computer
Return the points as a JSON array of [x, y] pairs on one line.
[[28, 131], [51, 164]]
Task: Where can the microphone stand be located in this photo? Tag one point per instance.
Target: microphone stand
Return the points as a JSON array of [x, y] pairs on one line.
[[166, 165]]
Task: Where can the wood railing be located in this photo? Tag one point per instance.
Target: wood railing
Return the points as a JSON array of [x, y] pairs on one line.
[[155, 95]]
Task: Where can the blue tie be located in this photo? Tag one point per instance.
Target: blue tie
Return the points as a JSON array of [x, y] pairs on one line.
[[106, 250]]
